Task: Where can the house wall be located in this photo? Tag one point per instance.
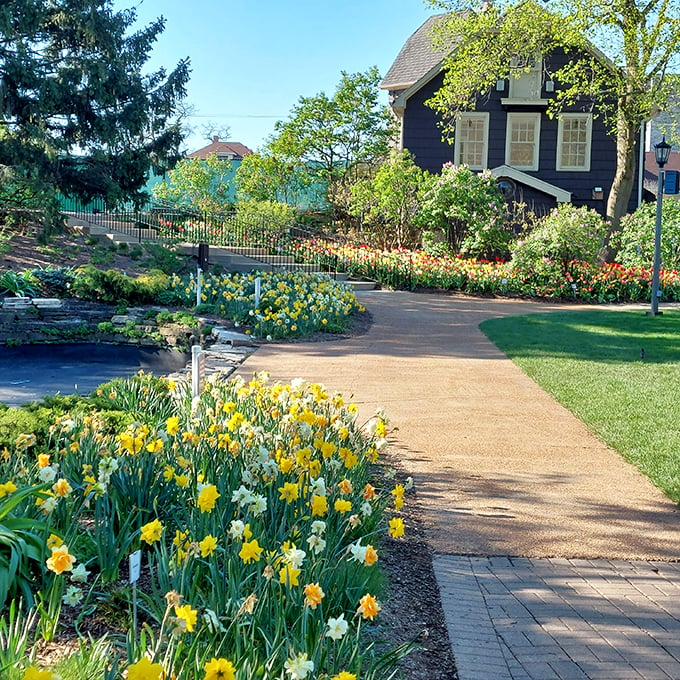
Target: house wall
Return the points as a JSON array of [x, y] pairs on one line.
[[422, 137]]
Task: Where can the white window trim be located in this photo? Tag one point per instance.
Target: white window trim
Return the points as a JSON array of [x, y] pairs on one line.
[[535, 73], [560, 133], [508, 139], [456, 143]]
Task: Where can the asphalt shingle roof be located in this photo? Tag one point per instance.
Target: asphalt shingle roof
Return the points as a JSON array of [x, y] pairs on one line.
[[415, 59]]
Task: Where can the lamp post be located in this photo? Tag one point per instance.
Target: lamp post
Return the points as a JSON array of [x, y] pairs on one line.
[[662, 151]]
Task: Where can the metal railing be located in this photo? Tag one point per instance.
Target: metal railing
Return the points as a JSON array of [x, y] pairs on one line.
[[257, 237]]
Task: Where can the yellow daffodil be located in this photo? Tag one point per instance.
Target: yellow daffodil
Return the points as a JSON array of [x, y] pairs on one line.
[[319, 505], [289, 575], [368, 606], [342, 506], [34, 673], [60, 560], [207, 498], [289, 492], [145, 670], [151, 532], [313, 595], [250, 550], [344, 675], [219, 669], [172, 426], [208, 545], [7, 488], [396, 529], [188, 615]]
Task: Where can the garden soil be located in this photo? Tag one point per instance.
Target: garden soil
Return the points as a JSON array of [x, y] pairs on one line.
[[500, 467]]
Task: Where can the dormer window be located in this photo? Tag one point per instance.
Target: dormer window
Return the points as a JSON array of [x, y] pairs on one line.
[[524, 86]]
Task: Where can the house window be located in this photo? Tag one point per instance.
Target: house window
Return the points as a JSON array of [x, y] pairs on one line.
[[522, 140], [472, 140], [573, 142], [526, 84]]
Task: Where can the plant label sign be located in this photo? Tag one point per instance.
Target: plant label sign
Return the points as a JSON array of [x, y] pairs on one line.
[[135, 565]]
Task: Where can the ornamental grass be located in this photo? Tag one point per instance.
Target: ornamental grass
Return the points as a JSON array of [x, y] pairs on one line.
[[259, 511]]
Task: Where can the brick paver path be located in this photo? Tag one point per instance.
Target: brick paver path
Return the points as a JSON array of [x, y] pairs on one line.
[[502, 469]]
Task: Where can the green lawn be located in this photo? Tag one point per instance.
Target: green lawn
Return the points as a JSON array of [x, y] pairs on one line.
[[591, 362]]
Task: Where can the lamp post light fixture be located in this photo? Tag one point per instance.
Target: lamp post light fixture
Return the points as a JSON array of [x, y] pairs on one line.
[[662, 151]]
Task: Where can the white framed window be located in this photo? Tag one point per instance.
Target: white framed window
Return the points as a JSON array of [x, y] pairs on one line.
[[574, 133], [527, 84], [522, 139], [471, 142]]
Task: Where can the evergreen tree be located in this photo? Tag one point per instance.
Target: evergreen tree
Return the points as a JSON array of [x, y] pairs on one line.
[[77, 113]]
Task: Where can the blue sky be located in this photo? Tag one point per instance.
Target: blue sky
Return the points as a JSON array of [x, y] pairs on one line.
[[251, 61]]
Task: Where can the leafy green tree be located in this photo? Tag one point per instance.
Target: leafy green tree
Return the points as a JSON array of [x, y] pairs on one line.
[[330, 140], [77, 112], [629, 45], [388, 204], [264, 176], [198, 184]]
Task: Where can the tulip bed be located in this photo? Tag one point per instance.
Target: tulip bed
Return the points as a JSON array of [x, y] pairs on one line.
[[258, 509], [400, 268]]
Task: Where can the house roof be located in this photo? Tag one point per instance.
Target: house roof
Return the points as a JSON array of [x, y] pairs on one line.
[[235, 150], [416, 57]]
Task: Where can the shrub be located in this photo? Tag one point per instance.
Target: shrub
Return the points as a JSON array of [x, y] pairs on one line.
[[54, 282], [635, 241], [468, 208], [114, 287], [268, 215], [565, 234], [388, 204]]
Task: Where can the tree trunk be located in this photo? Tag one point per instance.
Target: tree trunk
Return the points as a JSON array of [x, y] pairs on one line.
[[624, 178]]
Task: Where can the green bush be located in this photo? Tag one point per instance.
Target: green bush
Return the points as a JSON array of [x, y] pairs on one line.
[[468, 209], [54, 282], [114, 287], [566, 233], [635, 241], [267, 215]]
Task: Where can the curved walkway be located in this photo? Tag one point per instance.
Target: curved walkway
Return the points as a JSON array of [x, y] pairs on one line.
[[585, 585]]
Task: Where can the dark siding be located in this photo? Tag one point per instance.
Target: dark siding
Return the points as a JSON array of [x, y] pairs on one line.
[[423, 138]]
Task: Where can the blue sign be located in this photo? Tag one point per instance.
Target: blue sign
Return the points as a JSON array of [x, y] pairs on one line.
[[671, 182]]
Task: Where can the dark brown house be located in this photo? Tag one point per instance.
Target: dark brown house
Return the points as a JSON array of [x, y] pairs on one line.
[[539, 160]]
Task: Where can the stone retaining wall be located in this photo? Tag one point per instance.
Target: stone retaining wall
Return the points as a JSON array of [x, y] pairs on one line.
[[52, 320]]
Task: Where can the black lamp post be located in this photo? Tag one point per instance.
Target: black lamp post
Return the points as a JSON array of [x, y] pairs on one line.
[[662, 151]]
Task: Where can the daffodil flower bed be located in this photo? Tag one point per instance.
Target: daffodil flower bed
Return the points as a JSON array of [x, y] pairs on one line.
[[290, 303], [259, 510]]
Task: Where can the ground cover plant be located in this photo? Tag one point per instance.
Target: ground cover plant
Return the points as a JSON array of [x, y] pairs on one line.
[[259, 510], [617, 370]]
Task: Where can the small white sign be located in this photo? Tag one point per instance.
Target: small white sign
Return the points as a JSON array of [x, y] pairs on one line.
[[504, 282], [573, 286], [135, 565]]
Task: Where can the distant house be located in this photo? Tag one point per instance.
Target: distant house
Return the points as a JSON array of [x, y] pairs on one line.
[[539, 160], [228, 151]]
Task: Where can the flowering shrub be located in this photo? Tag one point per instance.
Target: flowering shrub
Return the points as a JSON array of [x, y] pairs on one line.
[[565, 234], [468, 209], [291, 303], [635, 240], [259, 513]]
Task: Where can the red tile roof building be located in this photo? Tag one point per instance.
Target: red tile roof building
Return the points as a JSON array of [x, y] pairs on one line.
[[229, 151]]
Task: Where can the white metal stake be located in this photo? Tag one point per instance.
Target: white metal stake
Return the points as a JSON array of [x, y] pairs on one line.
[[198, 286], [258, 289]]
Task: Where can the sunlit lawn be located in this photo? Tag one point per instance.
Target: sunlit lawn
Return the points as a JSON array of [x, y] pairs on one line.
[[593, 363]]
